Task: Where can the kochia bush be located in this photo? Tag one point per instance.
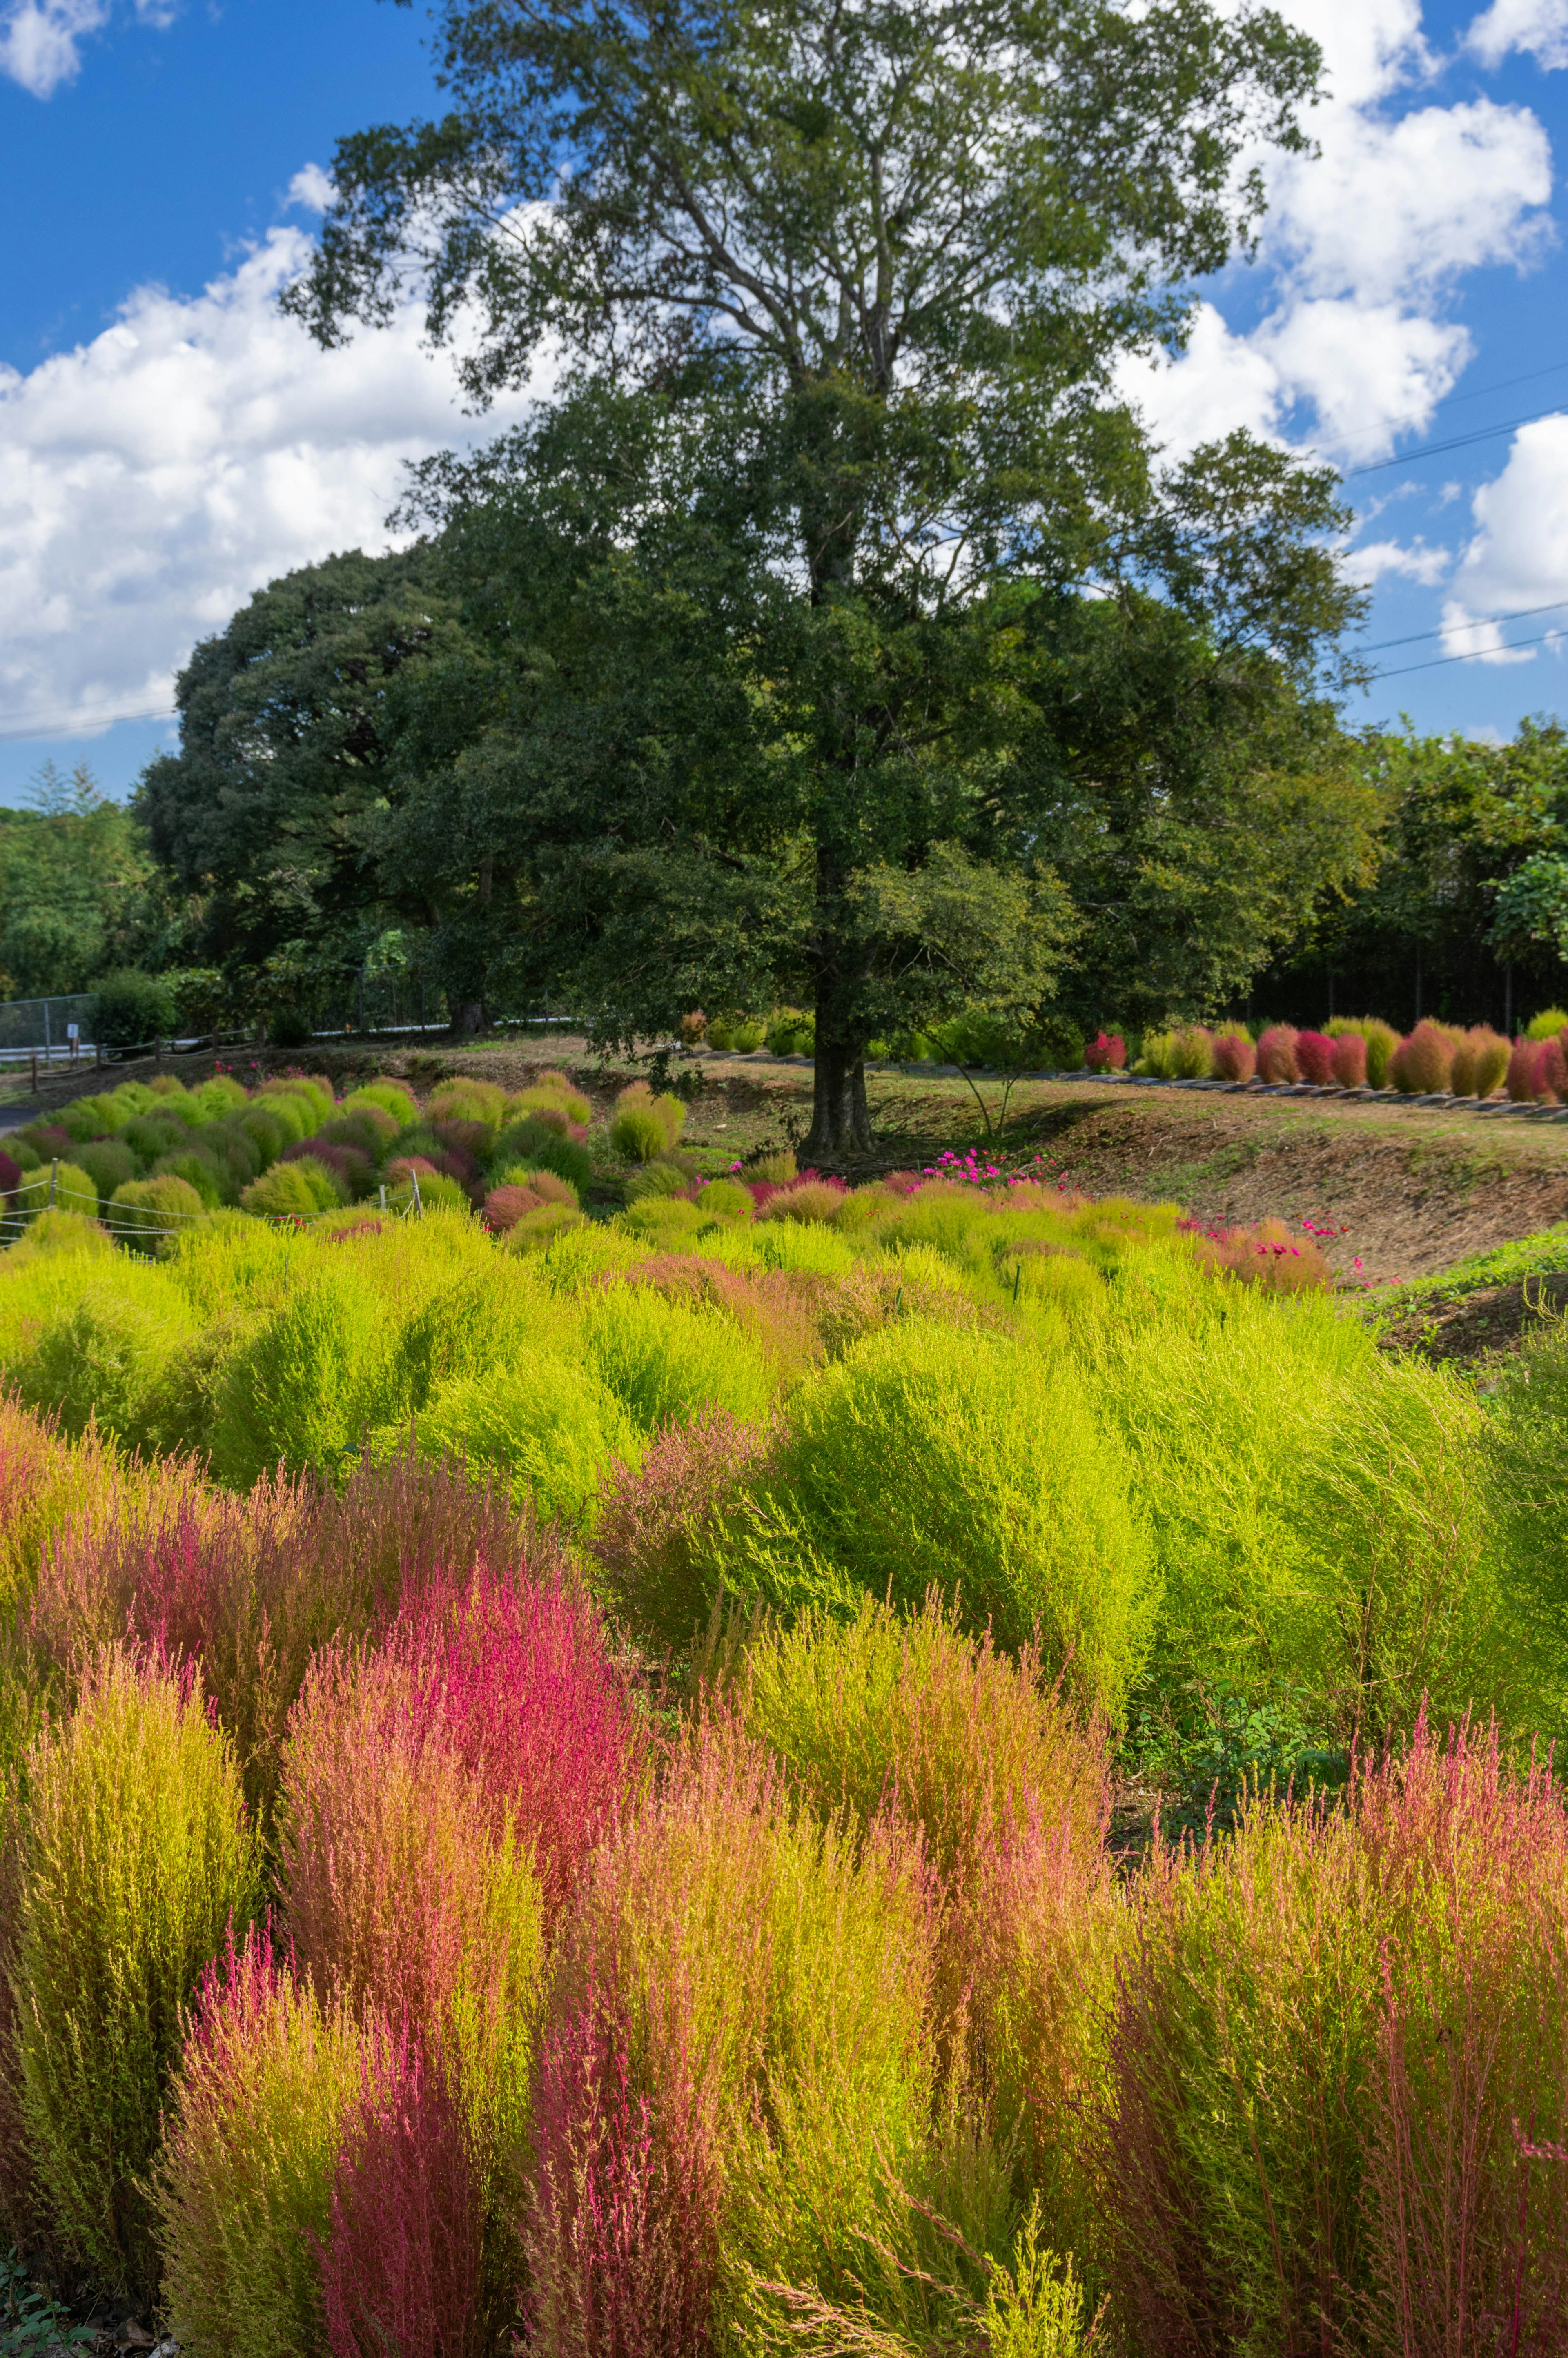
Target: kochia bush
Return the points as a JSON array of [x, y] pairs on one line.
[[1420, 1064], [1008, 1494], [136, 1859], [265, 2089]]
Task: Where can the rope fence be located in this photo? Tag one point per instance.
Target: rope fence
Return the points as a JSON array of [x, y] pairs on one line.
[[14, 1221]]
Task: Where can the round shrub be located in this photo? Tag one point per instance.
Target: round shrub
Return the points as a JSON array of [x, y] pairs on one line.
[[109, 1165], [1235, 1057], [295, 1190], [548, 1429], [1349, 1061], [131, 1009], [728, 1200], [1008, 1495], [1106, 1053], [437, 1193], [1480, 1060], [1548, 1025], [222, 1095], [552, 1090], [638, 1133], [529, 1142], [468, 1100], [135, 1860], [808, 1200], [266, 2087], [148, 1215], [1314, 1055], [265, 1128], [1276, 1054], [1192, 1053], [353, 1171], [200, 1170], [394, 1098], [663, 1218], [747, 1035], [369, 1129], [57, 1185], [1420, 1064], [537, 1229]]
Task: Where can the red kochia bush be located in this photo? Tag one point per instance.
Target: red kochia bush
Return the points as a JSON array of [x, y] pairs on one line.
[[401, 2271], [1277, 1054], [518, 1675], [1349, 1060], [1314, 1055], [1235, 1057], [1106, 1053]]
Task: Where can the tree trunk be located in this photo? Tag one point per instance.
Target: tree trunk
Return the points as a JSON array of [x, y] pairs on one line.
[[840, 1120]]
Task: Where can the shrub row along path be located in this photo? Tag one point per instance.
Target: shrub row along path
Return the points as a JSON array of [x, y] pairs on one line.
[[1408, 1190]]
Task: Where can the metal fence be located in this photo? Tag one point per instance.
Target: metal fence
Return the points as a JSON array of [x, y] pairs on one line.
[[44, 1026]]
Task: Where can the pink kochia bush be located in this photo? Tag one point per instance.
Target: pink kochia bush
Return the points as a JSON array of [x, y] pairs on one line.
[[1338, 2041], [403, 2265], [1315, 1055], [1276, 1054], [1106, 1053], [1349, 1060], [1235, 1057], [439, 1797]]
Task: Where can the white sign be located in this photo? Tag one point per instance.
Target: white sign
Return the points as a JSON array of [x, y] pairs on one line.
[[73, 1031]]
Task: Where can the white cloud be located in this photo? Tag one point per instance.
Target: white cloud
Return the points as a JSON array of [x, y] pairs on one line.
[[1370, 371], [311, 190], [152, 479], [1517, 561], [1221, 383], [1539, 27], [1369, 46], [1375, 559], [40, 40], [1390, 212]]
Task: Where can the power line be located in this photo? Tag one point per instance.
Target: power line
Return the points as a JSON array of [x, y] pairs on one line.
[[1476, 622], [1437, 662], [1452, 400], [66, 724], [1458, 442]]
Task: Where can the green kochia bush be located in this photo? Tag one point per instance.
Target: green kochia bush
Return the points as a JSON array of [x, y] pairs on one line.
[[1315, 1506], [266, 2087], [974, 1464], [542, 1426], [304, 1385], [134, 1858]]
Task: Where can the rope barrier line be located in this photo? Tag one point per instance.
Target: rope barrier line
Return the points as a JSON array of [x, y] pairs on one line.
[[13, 1222]]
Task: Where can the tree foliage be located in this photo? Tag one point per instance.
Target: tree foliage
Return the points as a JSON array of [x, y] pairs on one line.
[[284, 727], [78, 891], [842, 294]]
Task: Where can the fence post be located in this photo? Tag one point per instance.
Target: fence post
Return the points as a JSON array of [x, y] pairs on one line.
[[54, 1180], [384, 1194], [418, 1207], [35, 1072]]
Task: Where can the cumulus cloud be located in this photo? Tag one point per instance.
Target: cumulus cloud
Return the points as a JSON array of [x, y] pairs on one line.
[[311, 190], [40, 40], [1221, 381], [1537, 26], [1518, 558], [1377, 558], [151, 480]]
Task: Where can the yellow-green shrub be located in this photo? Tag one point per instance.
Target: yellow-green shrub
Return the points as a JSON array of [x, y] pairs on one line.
[[148, 1215], [135, 1858]]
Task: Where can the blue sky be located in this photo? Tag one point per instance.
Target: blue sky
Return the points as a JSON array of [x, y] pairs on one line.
[[167, 443]]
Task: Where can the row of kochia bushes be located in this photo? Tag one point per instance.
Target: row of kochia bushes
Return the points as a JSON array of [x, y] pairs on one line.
[[380, 1976], [146, 1157], [1359, 1052]]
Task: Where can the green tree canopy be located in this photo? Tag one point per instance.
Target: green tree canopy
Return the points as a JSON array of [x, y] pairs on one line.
[[285, 724], [79, 889], [844, 294]]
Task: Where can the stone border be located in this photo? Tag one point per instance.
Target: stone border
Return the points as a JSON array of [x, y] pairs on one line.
[[1491, 1109]]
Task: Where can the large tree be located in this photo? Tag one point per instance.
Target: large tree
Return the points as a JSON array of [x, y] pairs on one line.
[[864, 276], [286, 719]]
